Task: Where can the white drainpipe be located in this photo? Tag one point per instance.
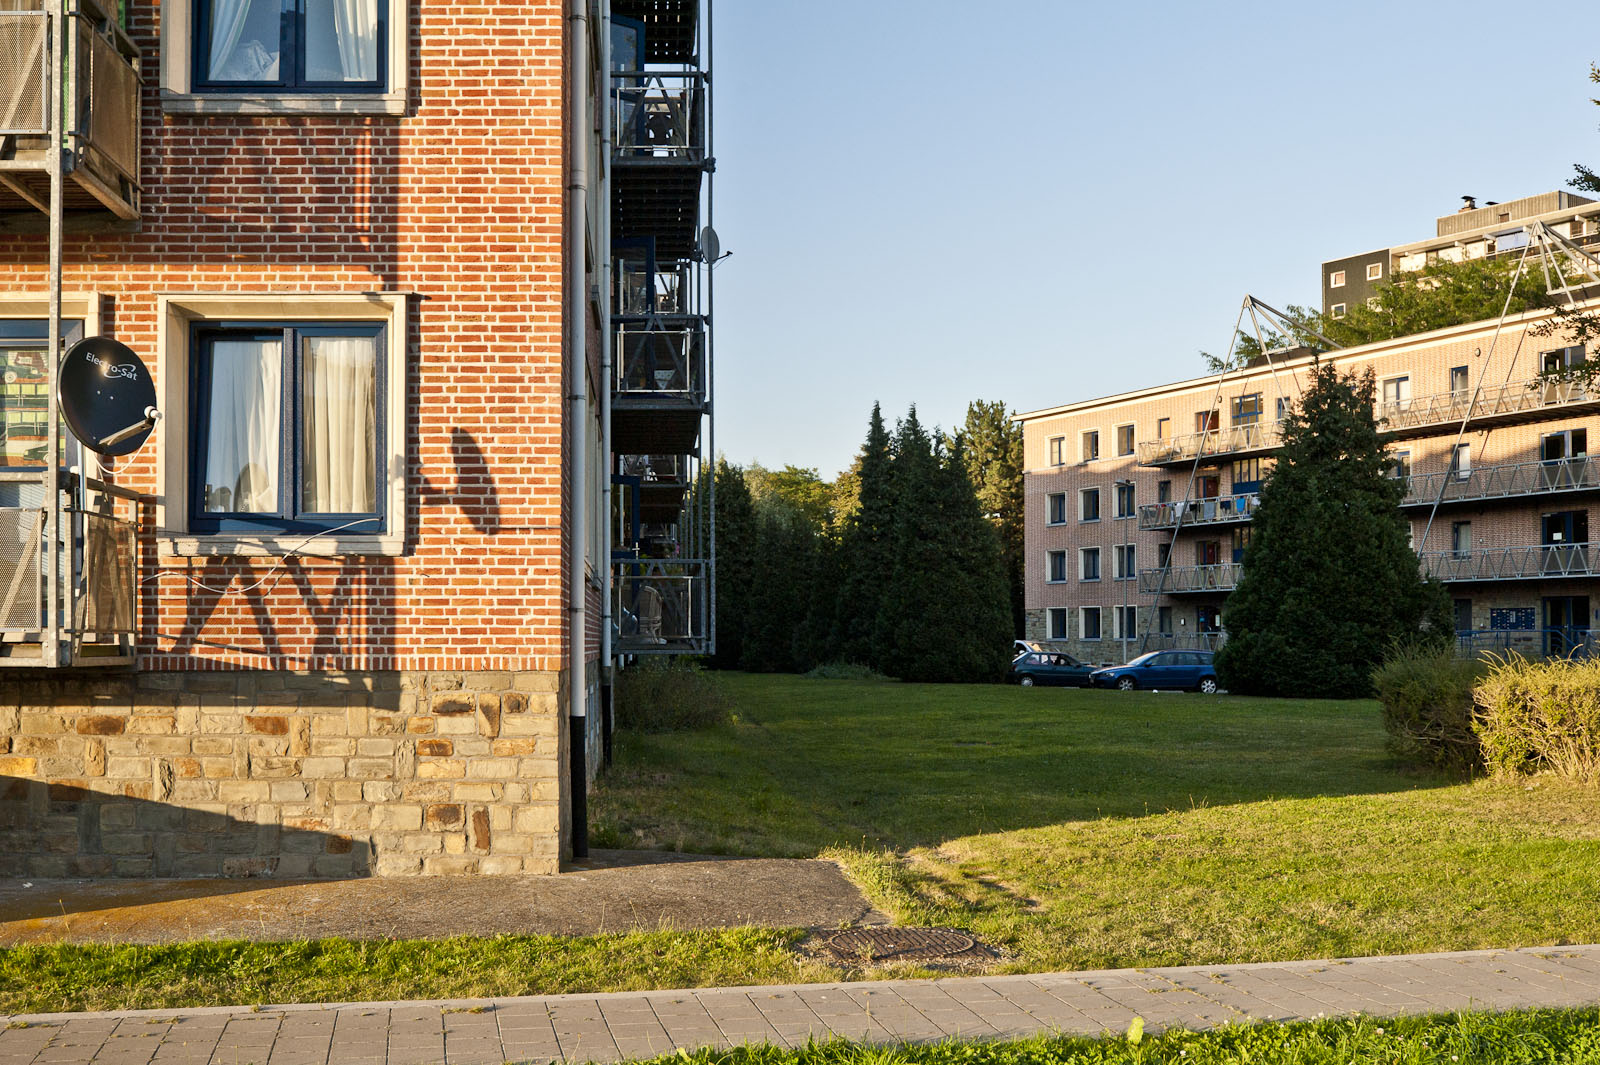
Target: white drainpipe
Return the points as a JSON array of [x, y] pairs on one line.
[[578, 407], [605, 358]]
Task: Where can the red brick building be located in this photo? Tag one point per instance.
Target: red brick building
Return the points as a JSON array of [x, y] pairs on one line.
[[323, 621]]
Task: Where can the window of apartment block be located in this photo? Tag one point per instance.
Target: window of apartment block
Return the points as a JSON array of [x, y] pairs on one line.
[[1205, 421], [1089, 446], [1058, 623], [1163, 491], [1396, 392], [1089, 622], [1460, 538], [1459, 382], [1163, 428], [1057, 503], [1561, 359], [1124, 439], [1336, 279], [1164, 620], [1374, 271], [1246, 409], [1246, 476], [24, 349], [1285, 405], [1241, 540], [1208, 552], [1567, 444], [1337, 310], [1208, 618], [1088, 563], [1125, 501], [1127, 619], [1058, 447], [1463, 612], [287, 428], [1127, 564], [1163, 554], [1373, 303], [1088, 504], [1402, 464], [1057, 566], [1460, 462]]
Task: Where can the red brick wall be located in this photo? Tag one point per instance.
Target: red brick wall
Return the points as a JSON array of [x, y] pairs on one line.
[[459, 201]]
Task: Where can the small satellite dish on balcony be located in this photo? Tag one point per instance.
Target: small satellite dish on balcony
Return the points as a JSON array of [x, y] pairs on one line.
[[107, 396], [710, 245]]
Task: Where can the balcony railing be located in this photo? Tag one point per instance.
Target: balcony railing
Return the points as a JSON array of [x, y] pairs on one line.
[[661, 606], [100, 85], [1220, 577], [1498, 482], [662, 358], [1529, 643], [1446, 408], [1181, 641], [1255, 436], [658, 116], [1214, 510], [1511, 563]]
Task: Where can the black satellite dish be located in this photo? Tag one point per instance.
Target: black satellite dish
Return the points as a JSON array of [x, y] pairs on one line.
[[107, 396]]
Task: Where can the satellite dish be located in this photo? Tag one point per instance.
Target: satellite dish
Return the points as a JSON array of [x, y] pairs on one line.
[[107, 396], [710, 246]]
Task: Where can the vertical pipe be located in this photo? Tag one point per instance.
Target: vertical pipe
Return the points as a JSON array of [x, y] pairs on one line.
[[56, 26], [578, 412], [606, 592], [711, 390]]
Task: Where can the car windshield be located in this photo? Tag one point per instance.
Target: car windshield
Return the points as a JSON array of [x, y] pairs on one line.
[[1142, 659]]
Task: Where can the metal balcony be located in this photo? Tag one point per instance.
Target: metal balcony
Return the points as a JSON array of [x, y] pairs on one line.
[[662, 606], [1214, 510], [659, 485], [97, 578], [1524, 562], [661, 390], [659, 154], [671, 28], [1520, 401], [1580, 474], [1529, 643], [1182, 641], [1178, 580], [99, 86], [1241, 441]]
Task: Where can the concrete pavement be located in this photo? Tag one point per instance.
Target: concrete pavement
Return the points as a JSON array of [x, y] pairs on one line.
[[612, 1027]]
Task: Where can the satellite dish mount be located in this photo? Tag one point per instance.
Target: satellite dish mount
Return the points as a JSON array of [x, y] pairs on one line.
[[106, 396]]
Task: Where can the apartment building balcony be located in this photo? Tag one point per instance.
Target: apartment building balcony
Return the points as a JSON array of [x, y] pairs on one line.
[[1520, 401], [1571, 642], [1519, 563], [661, 606], [658, 486], [659, 154], [1189, 513], [97, 573], [1238, 442], [1482, 483], [1182, 641], [98, 136], [661, 389], [1179, 580]]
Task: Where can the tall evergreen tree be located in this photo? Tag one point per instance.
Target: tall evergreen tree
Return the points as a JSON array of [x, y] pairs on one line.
[[780, 592], [992, 444], [866, 553], [736, 563], [1329, 578]]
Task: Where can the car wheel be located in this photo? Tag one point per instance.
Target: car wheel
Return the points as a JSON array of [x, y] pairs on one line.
[[1126, 684], [1208, 685], [1026, 682]]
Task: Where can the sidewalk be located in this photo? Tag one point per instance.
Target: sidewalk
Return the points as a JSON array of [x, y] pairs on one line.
[[611, 1027]]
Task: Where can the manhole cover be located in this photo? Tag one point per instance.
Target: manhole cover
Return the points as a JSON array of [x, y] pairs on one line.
[[899, 944]]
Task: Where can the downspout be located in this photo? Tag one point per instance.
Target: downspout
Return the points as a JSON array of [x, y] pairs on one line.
[[578, 411], [605, 387]]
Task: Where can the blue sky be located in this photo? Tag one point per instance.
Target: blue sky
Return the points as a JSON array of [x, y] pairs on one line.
[[1041, 202]]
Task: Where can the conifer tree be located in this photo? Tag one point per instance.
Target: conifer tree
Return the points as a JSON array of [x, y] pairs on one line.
[[992, 445], [1329, 580], [865, 553], [736, 561]]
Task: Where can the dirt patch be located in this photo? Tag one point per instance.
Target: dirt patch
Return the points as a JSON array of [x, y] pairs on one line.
[[614, 891]]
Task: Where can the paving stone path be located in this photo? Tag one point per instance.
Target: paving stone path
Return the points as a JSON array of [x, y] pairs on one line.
[[613, 1027]]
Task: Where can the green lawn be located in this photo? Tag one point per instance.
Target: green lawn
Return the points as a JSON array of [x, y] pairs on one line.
[[1081, 829]]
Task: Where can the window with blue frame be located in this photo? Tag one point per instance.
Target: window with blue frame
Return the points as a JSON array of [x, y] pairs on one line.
[[287, 430], [291, 45], [25, 387]]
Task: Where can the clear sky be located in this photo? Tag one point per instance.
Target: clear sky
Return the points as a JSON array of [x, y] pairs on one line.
[[1045, 201]]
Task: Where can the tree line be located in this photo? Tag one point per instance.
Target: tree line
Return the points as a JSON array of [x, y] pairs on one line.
[[909, 563]]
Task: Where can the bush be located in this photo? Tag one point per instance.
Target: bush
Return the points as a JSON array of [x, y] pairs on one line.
[[1426, 694], [844, 671], [1540, 716], [669, 695]]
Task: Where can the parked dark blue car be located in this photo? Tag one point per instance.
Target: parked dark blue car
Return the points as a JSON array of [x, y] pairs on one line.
[[1048, 667], [1161, 670]]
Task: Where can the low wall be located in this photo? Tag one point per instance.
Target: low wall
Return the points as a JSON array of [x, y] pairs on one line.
[[280, 774]]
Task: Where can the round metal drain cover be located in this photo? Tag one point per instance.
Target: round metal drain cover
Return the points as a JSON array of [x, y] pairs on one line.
[[899, 944]]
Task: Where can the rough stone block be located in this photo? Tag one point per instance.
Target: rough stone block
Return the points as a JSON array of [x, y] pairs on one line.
[[457, 726], [352, 817], [398, 865], [499, 866], [288, 791], [491, 769], [101, 725], [375, 748], [453, 703], [204, 745], [448, 865], [435, 748], [480, 792], [505, 748], [380, 791], [420, 726], [514, 702], [443, 815], [153, 725], [442, 769], [489, 715], [397, 818], [478, 831], [322, 768]]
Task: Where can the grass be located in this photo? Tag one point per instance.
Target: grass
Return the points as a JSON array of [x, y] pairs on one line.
[[1570, 1037], [1086, 829]]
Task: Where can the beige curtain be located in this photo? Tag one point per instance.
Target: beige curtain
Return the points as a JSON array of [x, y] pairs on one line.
[[340, 431], [244, 435]]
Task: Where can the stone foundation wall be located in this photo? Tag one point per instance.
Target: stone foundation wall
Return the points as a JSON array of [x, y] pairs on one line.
[[281, 774]]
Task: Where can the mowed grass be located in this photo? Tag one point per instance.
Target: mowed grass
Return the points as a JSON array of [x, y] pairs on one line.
[[1084, 829]]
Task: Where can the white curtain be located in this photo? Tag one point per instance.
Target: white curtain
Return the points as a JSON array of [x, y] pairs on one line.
[[355, 24], [243, 437], [340, 425]]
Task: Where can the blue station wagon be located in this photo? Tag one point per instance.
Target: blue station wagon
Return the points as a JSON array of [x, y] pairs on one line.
[[1163, 671]]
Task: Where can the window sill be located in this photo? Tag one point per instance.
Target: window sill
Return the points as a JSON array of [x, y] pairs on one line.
[[193, 103], [279, 546]]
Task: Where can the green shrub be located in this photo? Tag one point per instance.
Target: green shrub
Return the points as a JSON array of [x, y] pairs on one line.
[[1426, 694], [844, 671], [1540, 717], [668, 695]]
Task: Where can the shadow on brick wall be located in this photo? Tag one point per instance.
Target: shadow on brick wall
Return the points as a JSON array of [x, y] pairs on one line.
[[67, 830]]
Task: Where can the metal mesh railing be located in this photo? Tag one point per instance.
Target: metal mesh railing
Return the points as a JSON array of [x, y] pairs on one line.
[[106, 604], [1214, 510], [652, 358], [24, 72], [1496, 482], [110, 116], [1181, 641], [661, 606], [21, 593], [1511, 563], [658, 115], [1220, 577], [1187, 448], [1534, 394], [1529, 643]]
